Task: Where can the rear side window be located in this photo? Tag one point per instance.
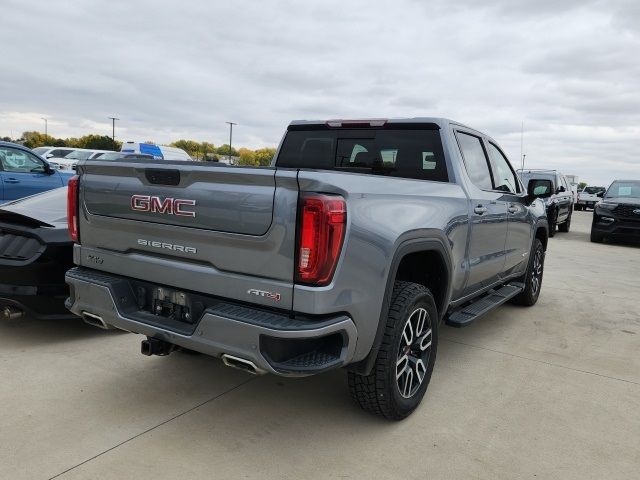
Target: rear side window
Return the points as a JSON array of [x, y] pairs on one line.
[[402, 153], [475, 161]]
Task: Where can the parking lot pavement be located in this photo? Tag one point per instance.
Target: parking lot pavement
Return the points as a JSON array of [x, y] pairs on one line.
[[551, 391]]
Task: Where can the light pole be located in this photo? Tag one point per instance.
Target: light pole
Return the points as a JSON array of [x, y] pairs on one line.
[[113, 128], [46, 133], [231, 124]]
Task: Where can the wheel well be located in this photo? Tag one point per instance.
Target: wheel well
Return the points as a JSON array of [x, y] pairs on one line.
[[541, 234], [427, 268]]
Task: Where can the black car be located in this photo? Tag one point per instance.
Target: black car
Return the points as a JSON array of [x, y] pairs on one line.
[[35, 253], [617, 215], [560, 204]]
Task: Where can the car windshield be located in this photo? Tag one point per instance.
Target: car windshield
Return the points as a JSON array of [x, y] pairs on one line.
[[526, 176], [79, 155], [592, 190], [40, 150], [624, 190]]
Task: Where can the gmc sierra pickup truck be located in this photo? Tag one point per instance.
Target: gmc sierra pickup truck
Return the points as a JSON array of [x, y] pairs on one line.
[[348, 251]]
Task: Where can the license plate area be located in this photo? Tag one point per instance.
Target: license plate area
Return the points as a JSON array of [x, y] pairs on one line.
[[168, 303]]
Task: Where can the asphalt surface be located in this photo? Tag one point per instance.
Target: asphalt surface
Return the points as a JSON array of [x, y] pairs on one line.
[[551, 391]]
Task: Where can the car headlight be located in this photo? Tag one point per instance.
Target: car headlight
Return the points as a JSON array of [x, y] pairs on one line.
[[607, 205]]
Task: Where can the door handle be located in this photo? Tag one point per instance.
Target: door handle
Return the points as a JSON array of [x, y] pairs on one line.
[[11, 180], [513, 209], [479, 210]]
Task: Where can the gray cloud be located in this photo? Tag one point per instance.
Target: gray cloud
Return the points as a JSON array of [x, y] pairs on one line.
[[181, 69]]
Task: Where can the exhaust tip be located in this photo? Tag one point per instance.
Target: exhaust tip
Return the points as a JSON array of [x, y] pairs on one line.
[[11, 313], [241, 364], [95, 320]]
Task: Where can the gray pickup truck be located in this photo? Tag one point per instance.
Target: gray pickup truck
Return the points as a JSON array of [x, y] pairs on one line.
[[348, 251]]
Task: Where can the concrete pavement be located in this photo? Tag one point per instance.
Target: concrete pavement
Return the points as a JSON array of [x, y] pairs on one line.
[[551, 391]]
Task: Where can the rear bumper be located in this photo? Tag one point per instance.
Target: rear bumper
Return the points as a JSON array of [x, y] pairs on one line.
[[272, 341]]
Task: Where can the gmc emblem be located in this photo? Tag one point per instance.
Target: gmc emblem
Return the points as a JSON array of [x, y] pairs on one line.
[[168, 206]]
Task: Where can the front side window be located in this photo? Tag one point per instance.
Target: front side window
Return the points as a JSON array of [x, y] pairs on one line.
[[475, 160], [405, 153], [503, 175], [18, 161]]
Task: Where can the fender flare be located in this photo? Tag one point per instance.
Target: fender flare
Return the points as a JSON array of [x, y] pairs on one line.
[[416, 241]]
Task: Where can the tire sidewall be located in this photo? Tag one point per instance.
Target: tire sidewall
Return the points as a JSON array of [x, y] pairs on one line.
[[533, 297], [426, 301]]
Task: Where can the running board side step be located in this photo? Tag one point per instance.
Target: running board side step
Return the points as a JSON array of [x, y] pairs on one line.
[[468, 314]]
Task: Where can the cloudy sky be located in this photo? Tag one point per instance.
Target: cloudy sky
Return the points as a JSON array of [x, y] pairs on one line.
[[570, 69]]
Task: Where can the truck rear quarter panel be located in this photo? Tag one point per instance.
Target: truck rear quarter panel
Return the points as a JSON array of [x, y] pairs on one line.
[[382, 212]]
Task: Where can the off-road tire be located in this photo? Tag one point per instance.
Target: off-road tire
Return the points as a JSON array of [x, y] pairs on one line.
[[379, 392], [529, 296]]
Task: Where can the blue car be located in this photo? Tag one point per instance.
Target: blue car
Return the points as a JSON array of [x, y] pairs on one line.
[[23, 173]]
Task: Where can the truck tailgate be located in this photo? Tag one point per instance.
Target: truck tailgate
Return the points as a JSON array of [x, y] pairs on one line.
[[226, 231]]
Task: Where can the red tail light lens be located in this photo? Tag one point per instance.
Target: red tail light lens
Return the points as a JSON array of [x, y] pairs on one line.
[[72, 207], [322, 225]]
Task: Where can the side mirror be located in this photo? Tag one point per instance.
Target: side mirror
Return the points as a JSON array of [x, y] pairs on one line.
[[600, 194], [539, 188], [48, 155], [561, 189]]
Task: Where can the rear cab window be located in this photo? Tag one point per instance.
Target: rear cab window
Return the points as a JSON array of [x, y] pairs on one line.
[[394, 151]]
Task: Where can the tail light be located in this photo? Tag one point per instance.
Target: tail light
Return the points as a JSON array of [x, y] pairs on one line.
[[72, 207], [322, 225]]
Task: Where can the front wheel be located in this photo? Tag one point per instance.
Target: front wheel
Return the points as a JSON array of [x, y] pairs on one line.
[[533, 278], [406, 357], [564, 227], [553, 222]]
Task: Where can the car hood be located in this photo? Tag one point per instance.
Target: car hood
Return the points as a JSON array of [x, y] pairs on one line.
[[48, 209], [625, 200]]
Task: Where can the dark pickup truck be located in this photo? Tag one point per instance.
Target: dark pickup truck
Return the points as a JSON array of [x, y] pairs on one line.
[[348, 251]]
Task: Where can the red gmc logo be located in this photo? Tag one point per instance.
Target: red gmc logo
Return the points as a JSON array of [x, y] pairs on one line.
[[168, 206]]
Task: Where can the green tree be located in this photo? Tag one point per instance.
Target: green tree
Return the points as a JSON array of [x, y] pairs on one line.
[[581, 186], [192, 147], [98, 142], [37, 139], [224, 150], [247, 157], [264, 156]]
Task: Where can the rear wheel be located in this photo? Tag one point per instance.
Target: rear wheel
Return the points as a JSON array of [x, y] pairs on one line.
[[406, 357], [533, 278]]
